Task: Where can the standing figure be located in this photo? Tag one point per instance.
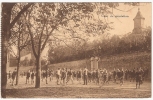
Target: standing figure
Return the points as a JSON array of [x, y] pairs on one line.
[[10, 76], [89, 76], [32, 77], [43, 75], [58, 74], [63, 76], [109, 77], [93, 76], [138, 77], [118, 74], [13, 76], [85, 74], [79, 74], [121, 77], [97, 76], [27, 77], [105, 75], [70, 76]]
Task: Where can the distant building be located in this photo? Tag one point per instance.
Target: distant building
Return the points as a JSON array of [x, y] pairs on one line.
[[138, 23]]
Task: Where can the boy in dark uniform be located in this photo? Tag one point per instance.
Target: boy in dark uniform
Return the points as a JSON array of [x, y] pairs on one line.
[[121, 77], [85, 74], [27, 77], [13, 76], [63, 76], [10, 76], [97, 76], [138, 78], [89, 76], [79, 75]]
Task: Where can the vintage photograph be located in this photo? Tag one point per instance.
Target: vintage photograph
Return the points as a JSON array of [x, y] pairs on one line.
[[76, 50]]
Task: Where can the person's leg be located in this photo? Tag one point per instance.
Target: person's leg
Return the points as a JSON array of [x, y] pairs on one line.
[[72, 79], [57, 79], [139, 83], [50, 78], [86, 80], [26, 80], [12, 82]]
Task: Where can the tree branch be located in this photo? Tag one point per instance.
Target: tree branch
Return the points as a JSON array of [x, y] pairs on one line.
[[19, 14], [32, 41]]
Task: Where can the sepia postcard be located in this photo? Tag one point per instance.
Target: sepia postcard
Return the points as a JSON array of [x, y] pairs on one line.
[[76, 50]]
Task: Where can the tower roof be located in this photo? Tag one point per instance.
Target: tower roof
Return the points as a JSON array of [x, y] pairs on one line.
[[139, 15]]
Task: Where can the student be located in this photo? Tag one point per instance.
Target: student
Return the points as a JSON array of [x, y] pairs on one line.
[[97, 76], [85, 76], [13, 76], [27, 77], [93, 76], [138, 78], [44, 75], [10, 76], [105, 75], [63, 76], [109, 77], [58, 74], [121, 77], [89, 76], [32, 77], [118, 74], [70, 76], [50, 73], [79, 76]]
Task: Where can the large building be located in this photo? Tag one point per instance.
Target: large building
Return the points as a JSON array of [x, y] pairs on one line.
[[138, 23]]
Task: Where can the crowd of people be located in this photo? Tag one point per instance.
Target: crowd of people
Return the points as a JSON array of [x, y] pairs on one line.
[[64, 76]]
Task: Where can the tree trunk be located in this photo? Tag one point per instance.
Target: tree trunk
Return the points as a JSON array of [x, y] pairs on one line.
[[18, 68], [4, 68], [6, 15], [38, 72]]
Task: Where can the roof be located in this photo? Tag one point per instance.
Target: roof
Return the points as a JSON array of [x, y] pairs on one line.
[[139, 15]]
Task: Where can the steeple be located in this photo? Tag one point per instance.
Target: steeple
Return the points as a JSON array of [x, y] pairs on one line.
[[139, 15], [138, 22]]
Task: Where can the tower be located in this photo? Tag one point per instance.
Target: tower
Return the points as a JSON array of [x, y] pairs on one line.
[[138, 23]]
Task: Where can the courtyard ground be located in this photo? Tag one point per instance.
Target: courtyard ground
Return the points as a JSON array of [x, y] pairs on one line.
[[77, 90]]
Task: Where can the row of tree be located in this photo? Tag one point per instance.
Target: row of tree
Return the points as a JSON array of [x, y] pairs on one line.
[[129, 43]]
